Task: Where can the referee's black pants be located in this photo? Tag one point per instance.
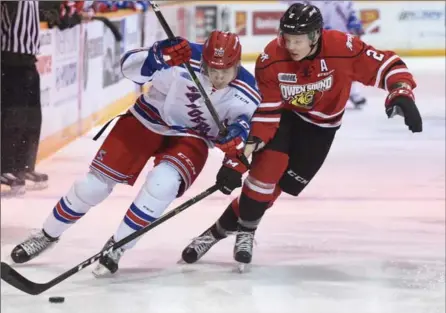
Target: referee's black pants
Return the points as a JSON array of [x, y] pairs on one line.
[[21, 117]]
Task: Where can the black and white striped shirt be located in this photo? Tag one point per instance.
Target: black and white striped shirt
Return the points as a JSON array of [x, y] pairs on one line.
[[20, 27]]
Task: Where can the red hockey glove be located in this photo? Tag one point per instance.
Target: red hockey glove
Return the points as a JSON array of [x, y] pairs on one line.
[[232, 147], [401, 101], [230, 174], [176, 51]]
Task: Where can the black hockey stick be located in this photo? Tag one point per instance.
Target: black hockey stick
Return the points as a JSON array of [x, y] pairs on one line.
[[203, 93], [20, 282], [110, 25], [207, 101]]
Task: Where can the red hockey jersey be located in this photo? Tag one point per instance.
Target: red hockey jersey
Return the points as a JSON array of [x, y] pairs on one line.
[[317, 88]]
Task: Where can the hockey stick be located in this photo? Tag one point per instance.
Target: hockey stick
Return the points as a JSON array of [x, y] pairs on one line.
[[194, 77], [20, 282], [207, 101], [110, 25]]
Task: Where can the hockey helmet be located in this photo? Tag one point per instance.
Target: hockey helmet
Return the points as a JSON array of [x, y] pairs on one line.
[[221, 50], [301, 19]]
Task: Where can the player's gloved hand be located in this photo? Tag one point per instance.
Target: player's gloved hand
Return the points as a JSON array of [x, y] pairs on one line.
[[230, 174], [401, 101], [230, 145], [172, 52], [234, 140]]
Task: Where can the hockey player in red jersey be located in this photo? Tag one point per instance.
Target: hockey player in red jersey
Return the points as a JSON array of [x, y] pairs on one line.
[[304, 77]]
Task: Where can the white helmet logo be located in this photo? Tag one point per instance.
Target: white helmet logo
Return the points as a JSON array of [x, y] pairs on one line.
[[219, 52]]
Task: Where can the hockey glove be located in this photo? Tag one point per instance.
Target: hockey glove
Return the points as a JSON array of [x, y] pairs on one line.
[[401, 101], [237, 133], [172, 52], [230, 174]]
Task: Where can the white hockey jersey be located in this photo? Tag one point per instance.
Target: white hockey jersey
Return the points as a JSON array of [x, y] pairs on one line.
[[174, 107]]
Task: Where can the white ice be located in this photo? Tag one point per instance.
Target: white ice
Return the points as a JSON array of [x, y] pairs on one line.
[[366, 236]]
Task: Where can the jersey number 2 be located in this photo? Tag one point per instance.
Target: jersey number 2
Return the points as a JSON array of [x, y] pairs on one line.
[[377, 56]]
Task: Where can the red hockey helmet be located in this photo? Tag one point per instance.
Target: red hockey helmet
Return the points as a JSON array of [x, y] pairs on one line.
[[222, 50]]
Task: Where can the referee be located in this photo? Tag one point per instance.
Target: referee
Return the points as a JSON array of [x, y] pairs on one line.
[[21, 115]]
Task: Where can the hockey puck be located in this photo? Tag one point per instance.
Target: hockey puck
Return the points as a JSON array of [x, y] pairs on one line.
[[57, 299]]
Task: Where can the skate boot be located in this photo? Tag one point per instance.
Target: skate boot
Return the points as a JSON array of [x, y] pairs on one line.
[[32, 247], [108, 264], [202, 244], [244, 242], [11, 185], [34, 180]]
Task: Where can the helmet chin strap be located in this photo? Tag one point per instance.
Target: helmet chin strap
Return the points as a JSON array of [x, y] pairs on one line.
[[312, 46]]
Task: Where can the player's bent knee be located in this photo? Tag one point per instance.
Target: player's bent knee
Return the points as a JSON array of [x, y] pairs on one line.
[[163, 182], [93, 188], [159, 190]]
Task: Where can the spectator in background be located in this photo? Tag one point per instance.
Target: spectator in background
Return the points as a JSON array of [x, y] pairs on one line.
[[112, 6], [21, 115]]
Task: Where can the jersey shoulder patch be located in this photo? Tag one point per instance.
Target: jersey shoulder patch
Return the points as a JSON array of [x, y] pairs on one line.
[[272, 53], [340, 44]]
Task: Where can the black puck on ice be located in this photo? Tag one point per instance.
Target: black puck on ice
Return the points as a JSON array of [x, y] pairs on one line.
[[57, 299]]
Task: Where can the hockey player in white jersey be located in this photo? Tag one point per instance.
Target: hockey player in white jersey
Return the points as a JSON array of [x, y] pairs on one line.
[[341, 15], [169, 123]]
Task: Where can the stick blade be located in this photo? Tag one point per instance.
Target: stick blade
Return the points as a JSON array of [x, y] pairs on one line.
[[15, 279]]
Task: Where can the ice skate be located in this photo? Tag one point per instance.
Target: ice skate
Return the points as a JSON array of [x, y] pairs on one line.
[[108, 264], [244, 242], [34, 180], [32, 247], [11, 185], [201, 245]]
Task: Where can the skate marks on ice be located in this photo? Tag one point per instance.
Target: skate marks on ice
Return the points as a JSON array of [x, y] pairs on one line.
[[311, 265], [212, 286]]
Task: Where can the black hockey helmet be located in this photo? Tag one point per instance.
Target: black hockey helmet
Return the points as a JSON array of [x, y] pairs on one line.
[[301, 19]]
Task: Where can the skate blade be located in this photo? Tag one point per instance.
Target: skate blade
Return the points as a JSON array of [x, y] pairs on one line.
[[101, 271], [243, 267], [11, 192], [35, 186]]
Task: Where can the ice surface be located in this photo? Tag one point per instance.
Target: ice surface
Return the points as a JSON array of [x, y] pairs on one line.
[[366, 236]]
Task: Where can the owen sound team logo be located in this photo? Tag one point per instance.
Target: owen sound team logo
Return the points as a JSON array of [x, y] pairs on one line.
[[304, 96]]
